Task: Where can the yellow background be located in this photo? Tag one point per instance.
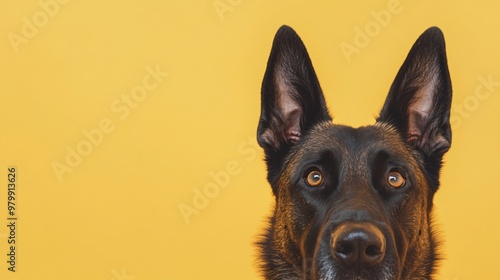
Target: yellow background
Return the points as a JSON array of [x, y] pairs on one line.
[[116, 215]]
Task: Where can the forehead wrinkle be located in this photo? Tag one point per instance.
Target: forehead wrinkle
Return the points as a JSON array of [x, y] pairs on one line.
[[319, 138], [400, 147], [368, 139]]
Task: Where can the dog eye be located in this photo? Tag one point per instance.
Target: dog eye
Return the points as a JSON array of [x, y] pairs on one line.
[[395, 179], [314, 178]]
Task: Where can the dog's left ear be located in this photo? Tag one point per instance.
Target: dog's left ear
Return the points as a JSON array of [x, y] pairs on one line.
[[419, 100]]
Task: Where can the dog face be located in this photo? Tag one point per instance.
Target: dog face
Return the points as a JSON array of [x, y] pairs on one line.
[[353, 203]]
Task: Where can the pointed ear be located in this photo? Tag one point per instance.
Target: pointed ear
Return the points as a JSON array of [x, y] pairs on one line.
[[419, 100], [291, 99]]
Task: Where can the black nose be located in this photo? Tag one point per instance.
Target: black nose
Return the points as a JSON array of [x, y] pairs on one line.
[[359, 245]]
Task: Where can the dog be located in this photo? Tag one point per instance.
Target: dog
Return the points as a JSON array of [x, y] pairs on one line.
[[353, 203]]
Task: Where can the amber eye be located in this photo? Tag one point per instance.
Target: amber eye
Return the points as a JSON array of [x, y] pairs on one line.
[[395, 179], [314, 178]]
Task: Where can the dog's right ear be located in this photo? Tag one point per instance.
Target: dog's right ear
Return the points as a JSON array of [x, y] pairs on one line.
[[291, 99]]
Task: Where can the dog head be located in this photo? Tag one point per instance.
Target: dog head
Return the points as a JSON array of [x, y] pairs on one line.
[[353, 203]]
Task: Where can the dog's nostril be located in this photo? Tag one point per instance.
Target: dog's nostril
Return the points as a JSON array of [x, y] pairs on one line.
[[372, 251], [343, 248]]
